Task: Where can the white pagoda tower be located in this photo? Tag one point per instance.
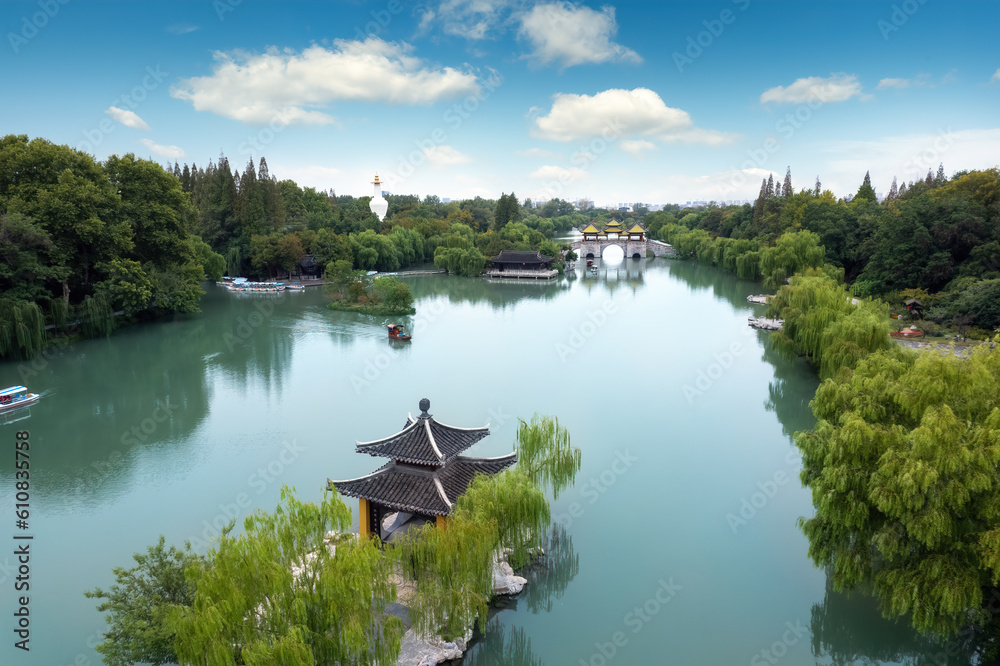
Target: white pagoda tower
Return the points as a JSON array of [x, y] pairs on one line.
[[378, 203]]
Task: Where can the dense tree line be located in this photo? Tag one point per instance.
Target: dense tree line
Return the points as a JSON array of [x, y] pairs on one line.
[[938, 237], [81, 240]]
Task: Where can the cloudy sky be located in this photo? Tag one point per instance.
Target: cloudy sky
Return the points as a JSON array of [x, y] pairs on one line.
[[637, 101]]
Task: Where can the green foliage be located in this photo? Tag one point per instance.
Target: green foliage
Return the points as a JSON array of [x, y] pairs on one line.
[[22, 329], [280, 594], [126, 287], [139, 603], [822, 321], [394, 293], [545, 454], [902, 466], [460, 260]]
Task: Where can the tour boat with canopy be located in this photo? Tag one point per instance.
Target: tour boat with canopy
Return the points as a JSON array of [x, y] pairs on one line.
[[16, 396], [396, 332]]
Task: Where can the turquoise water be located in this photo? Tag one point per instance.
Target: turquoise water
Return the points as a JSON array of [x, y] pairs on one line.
[[678, 543]]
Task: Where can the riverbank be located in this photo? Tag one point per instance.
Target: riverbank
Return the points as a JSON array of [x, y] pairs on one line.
[[377, 309]]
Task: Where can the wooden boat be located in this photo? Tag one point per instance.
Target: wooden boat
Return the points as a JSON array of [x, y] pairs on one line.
[[295, 286], [396, 333], [18, 396]]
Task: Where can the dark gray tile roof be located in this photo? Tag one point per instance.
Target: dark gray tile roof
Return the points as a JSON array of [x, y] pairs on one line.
[[420, 489], [424, 441]]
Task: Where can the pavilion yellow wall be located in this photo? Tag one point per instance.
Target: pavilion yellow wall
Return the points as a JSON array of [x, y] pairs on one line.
[[442, 522], [364, 519]]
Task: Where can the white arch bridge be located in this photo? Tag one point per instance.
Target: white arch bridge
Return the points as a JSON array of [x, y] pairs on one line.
[[634, 248]]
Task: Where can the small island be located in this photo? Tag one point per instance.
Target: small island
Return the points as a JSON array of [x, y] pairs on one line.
[[357, 291]]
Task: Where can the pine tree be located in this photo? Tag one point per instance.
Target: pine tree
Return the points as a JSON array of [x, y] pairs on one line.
[[786, 189], [893, 192], [902, 189], [930, 178], [777, 190], [866, 191], [758, 206], [940, 178], [817, 188], [770, 186]]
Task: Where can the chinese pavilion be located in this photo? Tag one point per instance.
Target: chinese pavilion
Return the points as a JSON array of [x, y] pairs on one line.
[[424, 477], [522, 264]]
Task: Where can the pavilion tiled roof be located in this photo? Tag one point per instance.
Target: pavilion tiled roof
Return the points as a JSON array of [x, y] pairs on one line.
[[419, 489], [424, 441]]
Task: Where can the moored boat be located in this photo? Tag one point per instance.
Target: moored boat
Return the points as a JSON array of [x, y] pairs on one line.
[[16, 396], [396, 333], [295, 286]]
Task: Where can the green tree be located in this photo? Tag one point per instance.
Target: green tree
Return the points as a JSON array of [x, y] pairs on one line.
[[139, 603], [902, 466], [508, 210], [866, 192], [126, 287], [289, 592]]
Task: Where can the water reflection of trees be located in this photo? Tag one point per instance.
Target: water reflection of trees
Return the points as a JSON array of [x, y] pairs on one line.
[[497, 293], [106, 401], [548, 577], [850, 629]]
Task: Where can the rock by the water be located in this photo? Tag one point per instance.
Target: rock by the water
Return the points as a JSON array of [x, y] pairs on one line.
[[765, 323], [419, 652], [762, 299], [504, 580]]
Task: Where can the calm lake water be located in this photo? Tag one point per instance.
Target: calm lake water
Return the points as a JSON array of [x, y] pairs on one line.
[[678, 544]]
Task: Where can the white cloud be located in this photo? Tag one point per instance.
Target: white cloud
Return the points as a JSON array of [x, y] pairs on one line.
[[636, 147], [445, 156], [908, 157], [996, 76], [552, 172], [894, 83], [181, 28], [286, 87], [126, 118], [835, 88], [621, 113], [534, 152], [571, 34], [174, 152], [471, 19]]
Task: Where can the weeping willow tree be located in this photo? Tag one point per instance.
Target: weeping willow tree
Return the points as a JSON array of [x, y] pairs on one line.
[[902, 465], [96, 316], [22, 329], [59, 312], [282, 594], [823, 321], [452, 568], [234, 260]]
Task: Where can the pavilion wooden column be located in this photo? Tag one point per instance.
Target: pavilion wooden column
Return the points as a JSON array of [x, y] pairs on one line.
[[442, 522], [364, 518]]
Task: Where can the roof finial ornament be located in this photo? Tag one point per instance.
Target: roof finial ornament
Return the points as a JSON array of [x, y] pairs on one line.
[[425, 404]]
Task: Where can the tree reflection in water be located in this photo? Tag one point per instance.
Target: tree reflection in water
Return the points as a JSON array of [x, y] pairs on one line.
[[548, 577]]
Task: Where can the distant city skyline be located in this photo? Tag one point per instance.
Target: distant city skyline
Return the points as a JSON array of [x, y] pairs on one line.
[[654, 102]]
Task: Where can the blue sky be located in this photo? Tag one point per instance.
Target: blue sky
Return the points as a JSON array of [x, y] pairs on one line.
[[634, 101]]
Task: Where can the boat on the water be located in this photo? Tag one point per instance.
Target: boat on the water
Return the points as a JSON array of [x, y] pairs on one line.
[[243, 285], [295, 286], [396, 333], [17, 396]]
